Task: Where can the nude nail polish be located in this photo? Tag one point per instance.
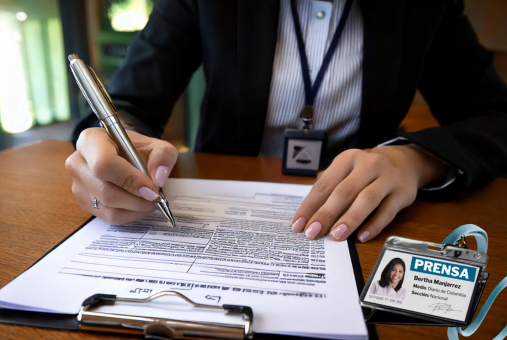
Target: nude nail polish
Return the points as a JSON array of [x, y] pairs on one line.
[[161, 175], [148, 194], [299, 224], [362, 237], [313, 230], [338, 232]]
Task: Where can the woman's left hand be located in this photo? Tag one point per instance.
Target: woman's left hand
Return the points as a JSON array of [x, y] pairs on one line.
[[360, 181]]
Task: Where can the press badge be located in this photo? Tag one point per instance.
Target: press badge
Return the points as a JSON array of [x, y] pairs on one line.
[[441, 284]]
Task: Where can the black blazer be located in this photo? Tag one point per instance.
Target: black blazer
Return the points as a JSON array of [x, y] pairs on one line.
[[408, 44]]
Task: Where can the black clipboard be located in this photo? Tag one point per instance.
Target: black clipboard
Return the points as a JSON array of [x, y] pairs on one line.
[[70, 322]]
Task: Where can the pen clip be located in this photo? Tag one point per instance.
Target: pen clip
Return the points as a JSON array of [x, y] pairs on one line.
[[102, 88]]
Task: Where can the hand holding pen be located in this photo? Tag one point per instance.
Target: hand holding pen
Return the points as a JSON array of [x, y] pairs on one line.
[[110, 178]]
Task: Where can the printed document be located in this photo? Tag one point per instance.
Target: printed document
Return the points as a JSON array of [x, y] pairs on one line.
[[233, 244]]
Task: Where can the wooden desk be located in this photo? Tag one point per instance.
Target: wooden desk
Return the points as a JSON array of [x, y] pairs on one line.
[[37, 210]]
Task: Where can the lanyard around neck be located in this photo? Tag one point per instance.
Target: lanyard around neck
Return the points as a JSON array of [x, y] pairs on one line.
[[311, 92]]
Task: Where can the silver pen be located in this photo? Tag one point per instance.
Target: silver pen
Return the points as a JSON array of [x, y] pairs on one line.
[[103, 106]]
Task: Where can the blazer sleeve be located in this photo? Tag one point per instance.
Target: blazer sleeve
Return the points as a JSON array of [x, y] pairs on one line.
[[469, 100], [159, 64]]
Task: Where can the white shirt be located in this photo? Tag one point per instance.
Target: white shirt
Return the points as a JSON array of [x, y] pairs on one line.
[[375, 288], [338, 102]]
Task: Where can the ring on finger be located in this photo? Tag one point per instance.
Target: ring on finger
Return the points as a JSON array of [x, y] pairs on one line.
[[95, 202]]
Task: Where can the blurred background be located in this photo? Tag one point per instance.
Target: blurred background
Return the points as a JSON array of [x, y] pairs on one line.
[[39, 99]]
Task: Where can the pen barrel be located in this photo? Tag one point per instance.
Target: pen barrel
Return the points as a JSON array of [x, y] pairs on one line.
[[90, 85], [102, 104], [127, 150]]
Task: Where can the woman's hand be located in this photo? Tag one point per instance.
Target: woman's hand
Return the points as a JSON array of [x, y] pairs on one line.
[[360, 181], [124, 192]]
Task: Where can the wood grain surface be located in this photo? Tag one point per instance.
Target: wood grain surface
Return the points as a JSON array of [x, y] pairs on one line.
[[38, 210]]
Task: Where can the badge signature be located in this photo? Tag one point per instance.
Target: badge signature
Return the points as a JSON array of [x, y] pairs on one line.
[[442, 307]]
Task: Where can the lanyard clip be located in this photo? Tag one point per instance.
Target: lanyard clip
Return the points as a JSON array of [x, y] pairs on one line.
[[463, 244], [307, 116]]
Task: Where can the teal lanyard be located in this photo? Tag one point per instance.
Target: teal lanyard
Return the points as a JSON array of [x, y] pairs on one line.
[[482, 246]]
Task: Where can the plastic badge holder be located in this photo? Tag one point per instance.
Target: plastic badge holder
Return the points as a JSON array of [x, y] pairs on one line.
[[442, 284]]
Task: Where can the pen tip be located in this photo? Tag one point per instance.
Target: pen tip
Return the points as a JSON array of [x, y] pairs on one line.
[[170, 217], [164, 207], [167, 212]]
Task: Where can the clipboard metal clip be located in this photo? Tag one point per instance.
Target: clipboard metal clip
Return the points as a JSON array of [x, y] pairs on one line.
[[162, 328]]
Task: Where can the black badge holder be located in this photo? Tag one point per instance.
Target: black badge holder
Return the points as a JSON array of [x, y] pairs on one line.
[[162, 328], [304, 149], [455, 253]]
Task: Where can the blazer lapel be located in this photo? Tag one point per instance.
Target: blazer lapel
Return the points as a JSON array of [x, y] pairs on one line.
[[383, 34], [257, 37]]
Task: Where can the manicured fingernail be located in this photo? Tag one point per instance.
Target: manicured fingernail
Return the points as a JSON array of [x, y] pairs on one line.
[[362, 237], [338, 232], [299, 224], [161, 175], [148, 194], [313, 230]]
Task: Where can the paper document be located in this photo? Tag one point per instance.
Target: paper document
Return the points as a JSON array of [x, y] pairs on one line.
[[233, 244]]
